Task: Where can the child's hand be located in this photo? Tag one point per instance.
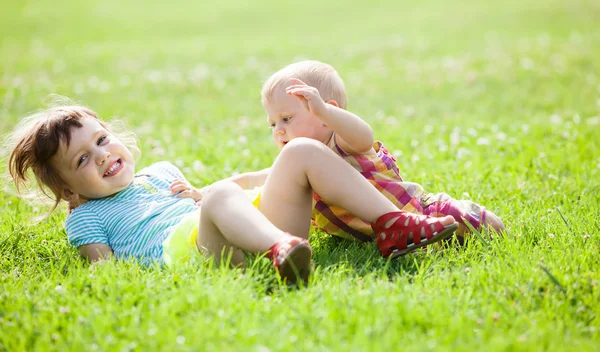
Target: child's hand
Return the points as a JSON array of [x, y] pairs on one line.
[[308, 96], [182, 189]]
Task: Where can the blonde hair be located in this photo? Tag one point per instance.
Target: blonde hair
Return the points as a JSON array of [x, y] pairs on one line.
[[37, 138], [314, 73]]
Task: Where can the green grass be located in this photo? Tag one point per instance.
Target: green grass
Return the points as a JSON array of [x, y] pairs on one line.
[[496, 101]]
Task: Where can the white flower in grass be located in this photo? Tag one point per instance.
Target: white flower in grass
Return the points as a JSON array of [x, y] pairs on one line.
[[104, 87], [219, 83], [93, 82], [525, 128], [550, 235], [462, 153], [64, 310], [586, 236], [455, 136], [428, 129], [555, 119], [391, 120], [242, 140], [180, 340], [576, 119], [483, 141], [154, 76], [59, 66], [199, 73], [527, 64], [59, 289], [78, 88], [186, 133], [18, 81], [472, 132], [262, 348], [152, 331], [501, 136], [160, 151], [198, 166], [595, 120]]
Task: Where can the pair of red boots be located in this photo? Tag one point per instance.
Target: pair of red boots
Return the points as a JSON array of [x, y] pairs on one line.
[[405, 232]]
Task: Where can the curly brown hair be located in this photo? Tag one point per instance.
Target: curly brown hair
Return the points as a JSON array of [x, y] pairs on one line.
[[36, 140]]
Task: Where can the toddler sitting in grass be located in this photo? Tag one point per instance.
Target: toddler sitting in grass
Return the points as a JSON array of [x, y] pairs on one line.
[[308, 99], [76, 157]]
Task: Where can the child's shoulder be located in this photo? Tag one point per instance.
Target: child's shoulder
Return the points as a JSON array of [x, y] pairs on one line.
[[160, 167], [84, 211]]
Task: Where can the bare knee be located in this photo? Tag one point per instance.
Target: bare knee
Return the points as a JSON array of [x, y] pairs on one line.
[[218, 192], [302, 149]]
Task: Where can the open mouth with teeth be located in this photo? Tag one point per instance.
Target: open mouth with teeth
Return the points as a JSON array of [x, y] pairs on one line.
[[113, 168]]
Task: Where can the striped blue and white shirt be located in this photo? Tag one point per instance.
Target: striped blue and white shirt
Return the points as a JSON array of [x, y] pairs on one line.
[[135, 221]]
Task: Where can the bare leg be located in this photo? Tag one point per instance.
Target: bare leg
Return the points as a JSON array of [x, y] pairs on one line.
[[229, 221], [305, 165]]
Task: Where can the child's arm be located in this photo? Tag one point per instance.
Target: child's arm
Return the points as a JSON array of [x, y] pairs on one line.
[[354, 134], [247, 180], [95, 251]]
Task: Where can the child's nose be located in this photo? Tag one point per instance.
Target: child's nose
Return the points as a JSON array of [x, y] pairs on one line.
[[279, 131], [102, 157]]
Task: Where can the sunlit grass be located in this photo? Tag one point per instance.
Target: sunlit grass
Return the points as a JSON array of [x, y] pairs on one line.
[[498, 102]]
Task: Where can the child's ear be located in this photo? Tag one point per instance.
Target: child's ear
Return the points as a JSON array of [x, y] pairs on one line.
[[69, 196], [333, 102], [73, 199]]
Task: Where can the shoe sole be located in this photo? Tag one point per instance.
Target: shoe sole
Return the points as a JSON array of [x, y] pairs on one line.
[[296, 265], [446, 232]]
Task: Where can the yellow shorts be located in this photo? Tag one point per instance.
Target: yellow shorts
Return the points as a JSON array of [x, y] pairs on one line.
[[180, 246]]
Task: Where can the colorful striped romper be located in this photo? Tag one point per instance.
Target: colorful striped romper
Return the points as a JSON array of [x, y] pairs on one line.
[[381, 170]]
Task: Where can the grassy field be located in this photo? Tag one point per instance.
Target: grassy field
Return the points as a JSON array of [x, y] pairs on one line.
[[494, 101]]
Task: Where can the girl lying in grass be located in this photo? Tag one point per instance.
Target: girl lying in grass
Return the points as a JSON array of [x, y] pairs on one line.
[[75, 157]]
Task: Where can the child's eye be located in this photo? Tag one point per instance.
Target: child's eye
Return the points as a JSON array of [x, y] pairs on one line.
[[101, 139], [81, 160], [271, 125], [287, 119]]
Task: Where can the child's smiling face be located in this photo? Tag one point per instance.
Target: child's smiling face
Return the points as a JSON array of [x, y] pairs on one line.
[[95, 164], [289, 119]]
